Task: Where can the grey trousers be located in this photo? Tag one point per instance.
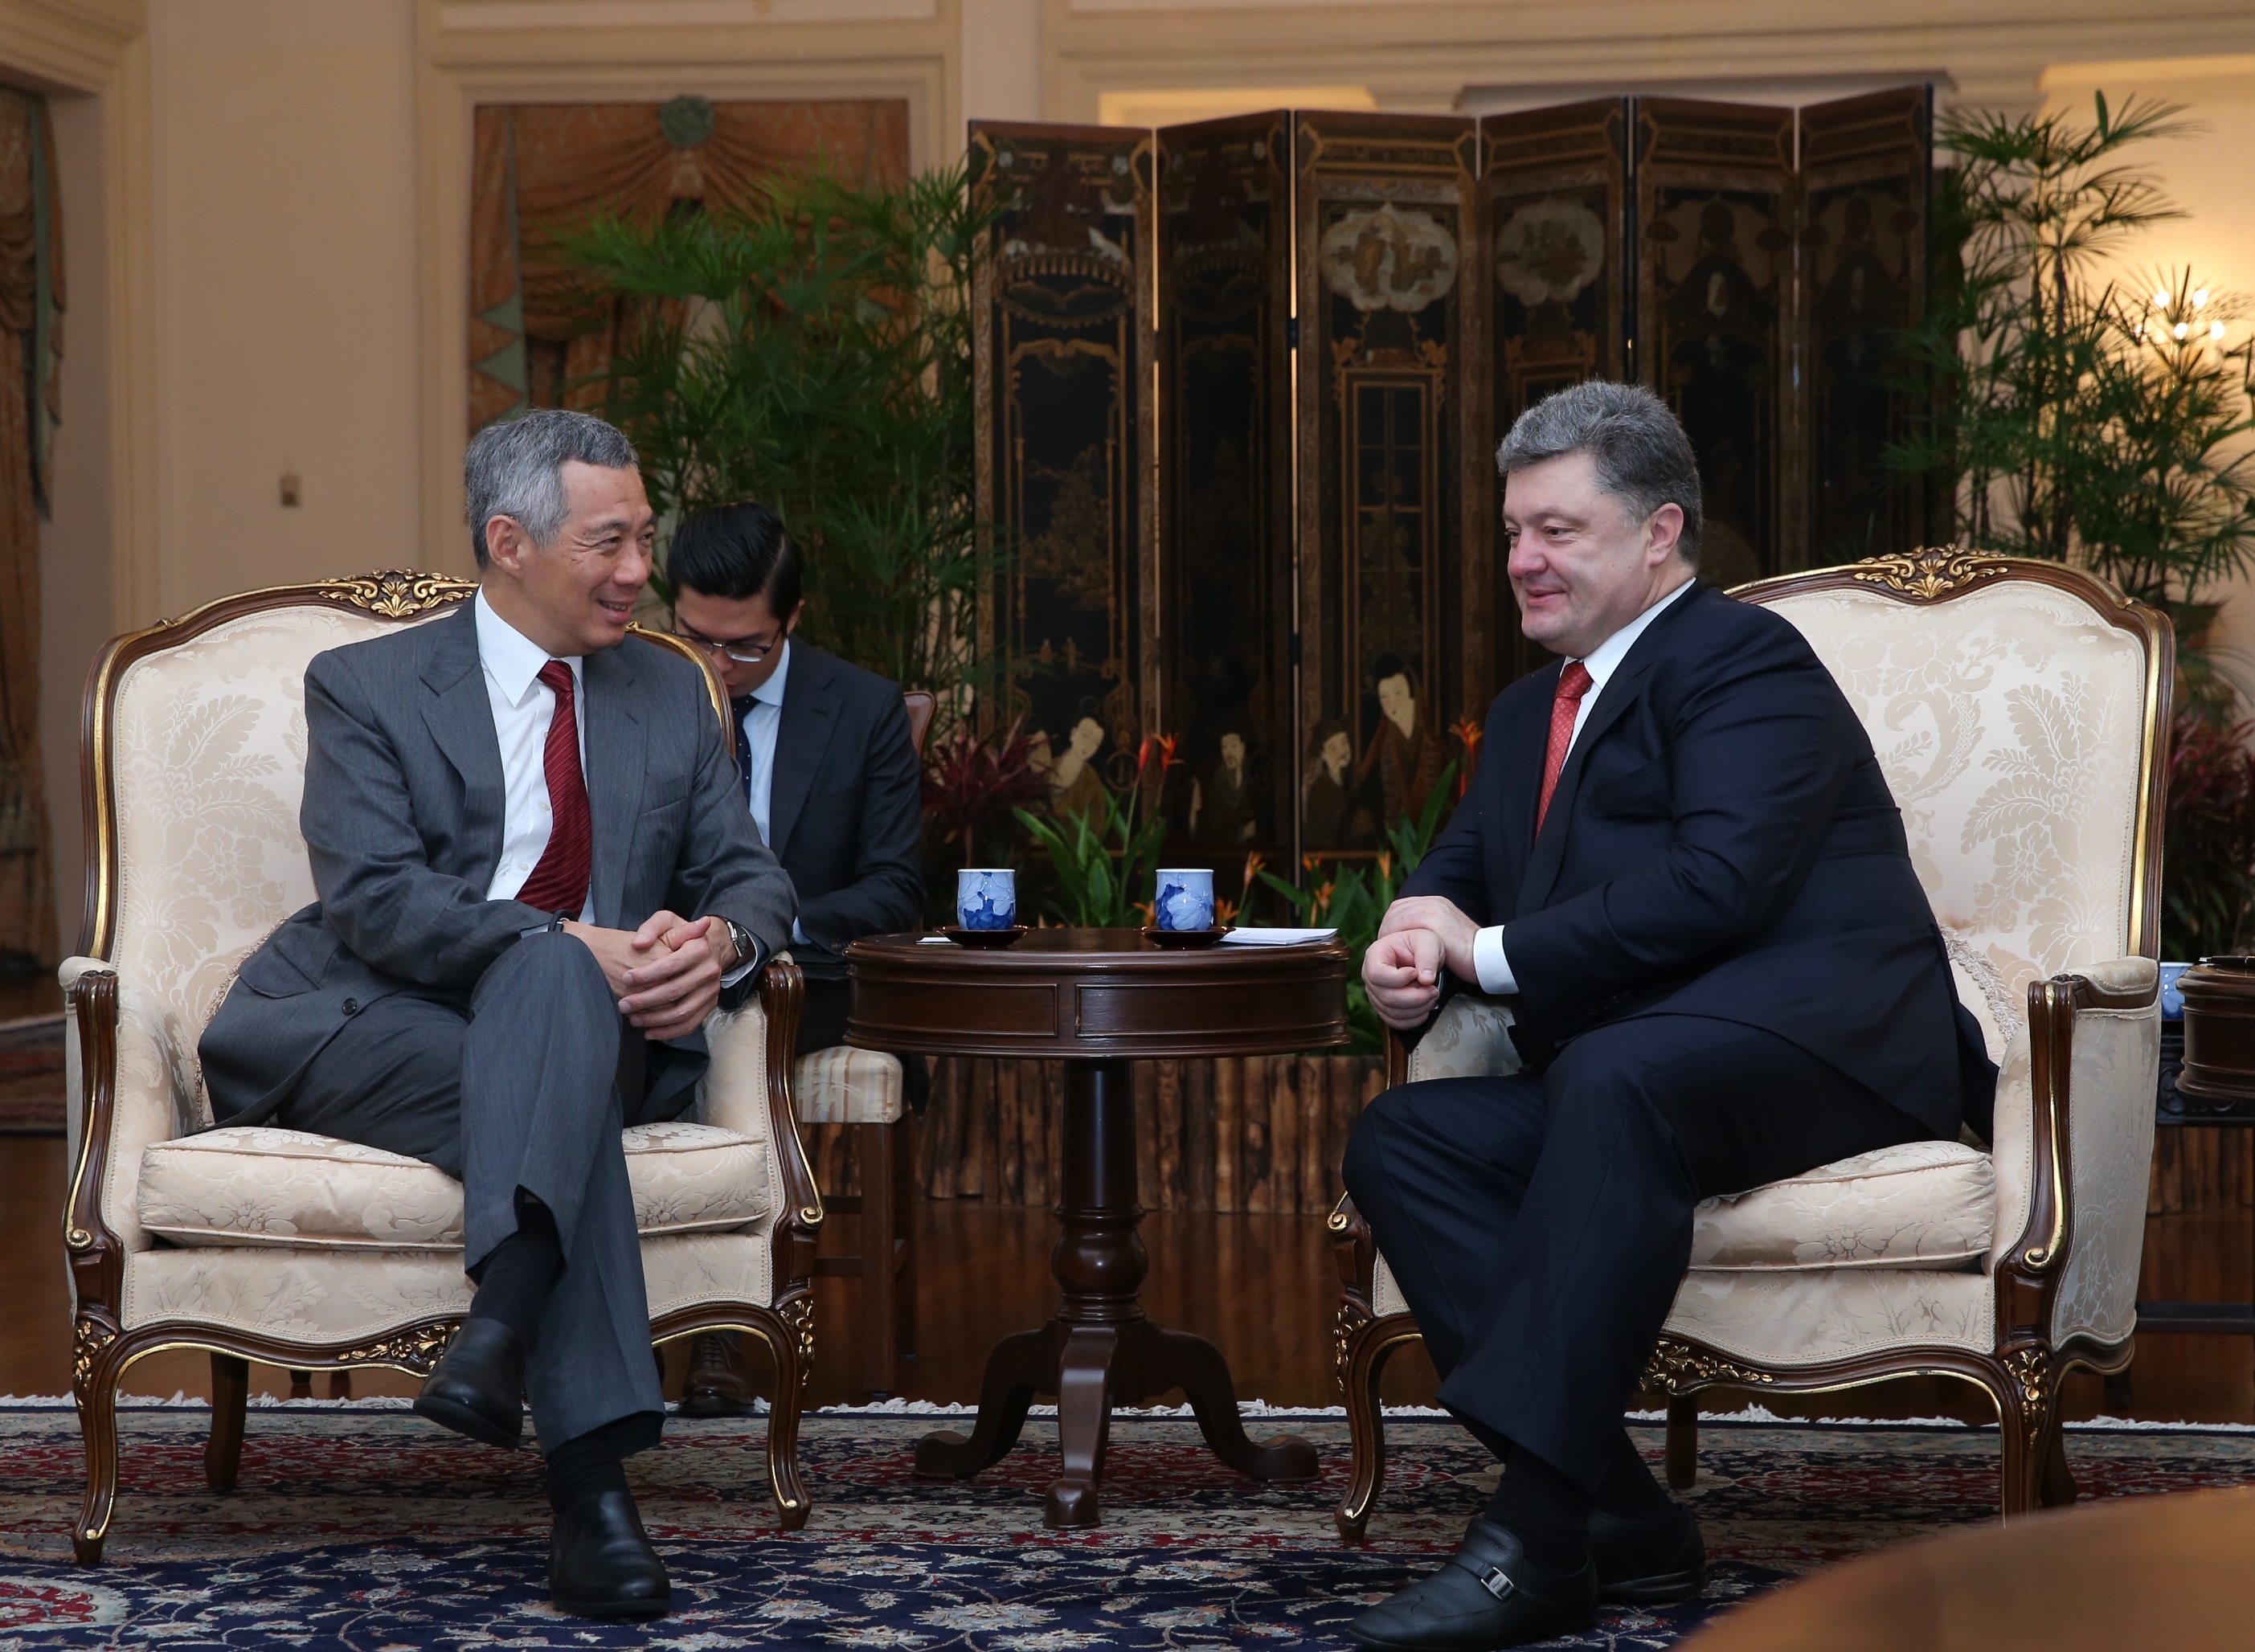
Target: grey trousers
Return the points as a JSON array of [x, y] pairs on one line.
[[525, 1086]]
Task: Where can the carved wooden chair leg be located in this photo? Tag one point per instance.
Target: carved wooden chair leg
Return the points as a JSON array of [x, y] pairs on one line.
[[790, 1337], [230, 1398], [95, 1389], [1682, 1441], [879, 1212], [2025, 1425], [1362, 1364], [341, 1385], [904, 1255], [301, 1385]]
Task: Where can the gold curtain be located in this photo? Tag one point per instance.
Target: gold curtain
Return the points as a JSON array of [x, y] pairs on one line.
[[30, 302], [539, 168]]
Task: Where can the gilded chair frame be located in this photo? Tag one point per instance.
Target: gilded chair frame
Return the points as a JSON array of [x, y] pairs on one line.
[[2022, 1374], [103, 1348]]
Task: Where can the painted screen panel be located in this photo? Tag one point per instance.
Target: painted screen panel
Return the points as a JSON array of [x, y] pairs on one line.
[[1396, 541], [1865, 164], [1716, 219], [1225, 486], [1063, 315]]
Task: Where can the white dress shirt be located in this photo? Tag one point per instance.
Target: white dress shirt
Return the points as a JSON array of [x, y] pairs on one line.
[[524, 707], [1488, 961], [761, 724]]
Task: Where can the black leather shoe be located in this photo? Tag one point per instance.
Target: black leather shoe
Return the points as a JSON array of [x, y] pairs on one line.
[[1489, 1595], [1648, 1563], [478, 1386], [717, 1384], [600, 1564]]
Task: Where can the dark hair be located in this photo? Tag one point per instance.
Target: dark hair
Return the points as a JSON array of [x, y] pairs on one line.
[[514, 467], [736, 552], [1643, 458]]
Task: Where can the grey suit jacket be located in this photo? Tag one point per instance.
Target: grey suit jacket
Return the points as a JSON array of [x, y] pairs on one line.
[[845, 809], [403, 819]]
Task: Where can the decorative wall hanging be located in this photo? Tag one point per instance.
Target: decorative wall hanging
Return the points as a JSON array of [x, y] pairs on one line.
[[538, 168]]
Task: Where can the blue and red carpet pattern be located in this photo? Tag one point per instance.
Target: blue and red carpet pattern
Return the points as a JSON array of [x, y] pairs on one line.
[[363, 1528]]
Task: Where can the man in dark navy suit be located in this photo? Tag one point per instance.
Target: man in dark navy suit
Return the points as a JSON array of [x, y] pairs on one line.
[[831, 777], [1681, 866]]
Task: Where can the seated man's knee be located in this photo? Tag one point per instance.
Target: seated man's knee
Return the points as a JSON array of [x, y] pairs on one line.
[[549, 963], [1386, 1115]]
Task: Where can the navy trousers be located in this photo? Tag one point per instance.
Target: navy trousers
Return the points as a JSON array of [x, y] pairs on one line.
[[1539, 1225], [527, 1085]]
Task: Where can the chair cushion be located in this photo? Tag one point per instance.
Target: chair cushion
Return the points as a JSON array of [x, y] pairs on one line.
[[257, 1185], [848, 1086], [1922, 1204]]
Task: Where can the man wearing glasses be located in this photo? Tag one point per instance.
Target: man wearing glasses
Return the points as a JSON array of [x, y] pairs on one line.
[[831, 780]]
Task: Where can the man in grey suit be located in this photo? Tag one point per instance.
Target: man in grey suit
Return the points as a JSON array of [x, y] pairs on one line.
[[831, 780], [508, 811]]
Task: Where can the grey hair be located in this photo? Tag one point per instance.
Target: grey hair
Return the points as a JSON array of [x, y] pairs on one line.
[[1642, 456], [514, 469]]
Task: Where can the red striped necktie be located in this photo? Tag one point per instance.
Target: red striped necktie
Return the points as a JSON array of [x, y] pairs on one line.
[[1573, 683], [559, 883]]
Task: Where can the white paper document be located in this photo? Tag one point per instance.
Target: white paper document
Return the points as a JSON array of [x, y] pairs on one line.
[[1274, 936]]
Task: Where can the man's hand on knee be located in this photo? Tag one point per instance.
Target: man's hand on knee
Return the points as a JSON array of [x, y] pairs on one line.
[[1449, 925], [674, 981], [1403, 973]]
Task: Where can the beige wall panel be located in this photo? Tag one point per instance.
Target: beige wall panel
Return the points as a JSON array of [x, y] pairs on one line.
[[286, 292]]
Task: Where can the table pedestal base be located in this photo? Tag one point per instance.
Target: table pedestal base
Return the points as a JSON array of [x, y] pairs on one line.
[[1099, 1350]]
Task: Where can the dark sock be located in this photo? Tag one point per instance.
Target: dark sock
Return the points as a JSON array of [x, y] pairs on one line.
[[589, 1465], [1546, 1509], [514, 1281], [1628, 1490]]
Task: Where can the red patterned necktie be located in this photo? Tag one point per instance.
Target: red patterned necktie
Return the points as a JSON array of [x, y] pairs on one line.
[[1573, 683], [559, 883]]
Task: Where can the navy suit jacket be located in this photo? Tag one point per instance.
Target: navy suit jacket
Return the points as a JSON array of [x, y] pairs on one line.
[[1721, 843], [846, 807]]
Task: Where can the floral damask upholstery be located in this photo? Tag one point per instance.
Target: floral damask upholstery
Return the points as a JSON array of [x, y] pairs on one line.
[[225, 1187], [278, 1243], [2017, 723]]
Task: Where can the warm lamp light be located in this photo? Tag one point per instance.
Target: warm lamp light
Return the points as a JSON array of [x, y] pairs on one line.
[[2215, 329], [2180, 329], [2200, 297], [2161, 298]]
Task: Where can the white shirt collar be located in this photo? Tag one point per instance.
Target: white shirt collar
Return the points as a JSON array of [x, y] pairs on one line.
[[770, 691], [1601, 660], [510, 657]]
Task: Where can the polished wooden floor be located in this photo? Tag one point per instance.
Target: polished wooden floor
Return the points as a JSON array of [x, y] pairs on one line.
[[1261, 1286]]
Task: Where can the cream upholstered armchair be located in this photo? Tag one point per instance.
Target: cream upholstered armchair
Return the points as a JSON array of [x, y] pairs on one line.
[[280, 1245], [2021, 710]]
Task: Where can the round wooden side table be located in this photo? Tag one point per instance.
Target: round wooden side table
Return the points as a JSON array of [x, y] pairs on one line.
[[1098, 999]]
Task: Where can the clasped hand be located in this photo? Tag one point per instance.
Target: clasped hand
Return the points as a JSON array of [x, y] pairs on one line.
[[666, 975], [1417, 939]]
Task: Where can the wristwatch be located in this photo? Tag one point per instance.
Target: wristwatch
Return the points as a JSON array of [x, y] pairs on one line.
[[746, 948]]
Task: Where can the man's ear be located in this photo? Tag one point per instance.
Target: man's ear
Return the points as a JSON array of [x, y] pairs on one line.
[[1663, 531], [797, 615], [505, 543]]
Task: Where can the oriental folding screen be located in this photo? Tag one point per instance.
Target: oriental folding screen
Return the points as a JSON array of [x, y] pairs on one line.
[[1242, 381]]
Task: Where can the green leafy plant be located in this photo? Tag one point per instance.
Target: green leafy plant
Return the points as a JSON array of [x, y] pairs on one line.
[[810, 348], [1099, 867], [2081, 417], [1353, 900], [2209, 839]]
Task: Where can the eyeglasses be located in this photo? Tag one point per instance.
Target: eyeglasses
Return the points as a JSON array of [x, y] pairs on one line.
[[745, 650]]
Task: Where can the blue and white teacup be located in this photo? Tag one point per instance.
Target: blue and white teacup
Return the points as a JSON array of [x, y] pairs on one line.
[[1183, 899], [987, 897], [2172, 999]]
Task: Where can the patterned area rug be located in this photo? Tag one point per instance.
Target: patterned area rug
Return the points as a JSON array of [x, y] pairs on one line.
[[32, 1077], [361, 1527]]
